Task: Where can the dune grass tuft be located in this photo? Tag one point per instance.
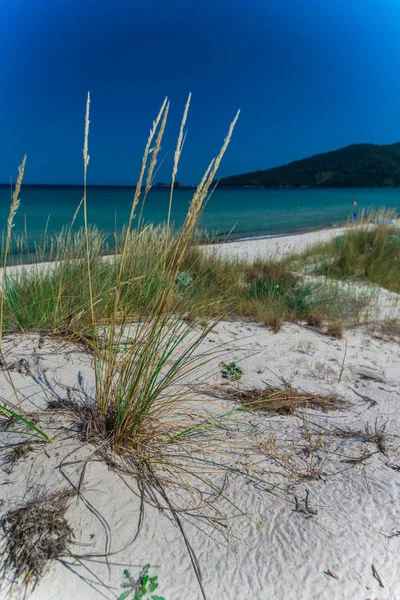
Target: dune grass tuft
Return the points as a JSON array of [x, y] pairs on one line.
[[144, 350], [335, 329]]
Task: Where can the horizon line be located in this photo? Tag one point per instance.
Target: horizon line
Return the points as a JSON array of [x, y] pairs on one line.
[[114, 185]]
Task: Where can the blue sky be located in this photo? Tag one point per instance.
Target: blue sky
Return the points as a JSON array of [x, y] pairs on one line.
[[308, 75]]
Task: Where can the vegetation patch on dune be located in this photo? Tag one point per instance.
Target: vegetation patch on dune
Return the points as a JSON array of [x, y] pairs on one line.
[[368, 252]]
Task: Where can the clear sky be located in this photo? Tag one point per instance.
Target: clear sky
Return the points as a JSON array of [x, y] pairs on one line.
[[308, 75]]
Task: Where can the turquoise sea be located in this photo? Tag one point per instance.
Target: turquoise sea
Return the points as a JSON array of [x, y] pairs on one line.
[[237, 212]]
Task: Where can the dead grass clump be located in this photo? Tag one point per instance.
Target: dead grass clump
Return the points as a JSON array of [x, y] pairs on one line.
[[61, 404], [377, 435], [283, 401], [15, 454], [388, 329], [7, 422], [335, 329], [315, 318], [273, 320], [268, 270], [302, 459], [34, 535], [21, 366], [374, 435]]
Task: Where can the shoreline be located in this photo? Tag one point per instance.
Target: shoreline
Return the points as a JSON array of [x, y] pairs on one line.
[[275, 247], [246, 248], [267, 236], [204, 244], [279, 246]]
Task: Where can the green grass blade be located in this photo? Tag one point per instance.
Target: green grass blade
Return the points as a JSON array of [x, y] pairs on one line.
[[27, 422]]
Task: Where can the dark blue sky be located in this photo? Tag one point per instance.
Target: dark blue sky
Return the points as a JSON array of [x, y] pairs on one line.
[[309, 76]]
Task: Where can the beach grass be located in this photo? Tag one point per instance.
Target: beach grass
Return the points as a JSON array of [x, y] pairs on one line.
[[54, 293], [142, 345], [13, 410]]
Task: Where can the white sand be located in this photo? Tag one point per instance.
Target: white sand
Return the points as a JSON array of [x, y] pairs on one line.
[[274, 247], [357, 523], [357, 505]]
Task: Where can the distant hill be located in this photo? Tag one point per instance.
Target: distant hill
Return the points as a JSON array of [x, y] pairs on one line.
[[358, 165]]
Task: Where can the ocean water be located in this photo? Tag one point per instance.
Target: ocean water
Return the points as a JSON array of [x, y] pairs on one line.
[[235, 212]]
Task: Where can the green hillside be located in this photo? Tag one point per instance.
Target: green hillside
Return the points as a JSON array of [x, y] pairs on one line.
[[358, 165]]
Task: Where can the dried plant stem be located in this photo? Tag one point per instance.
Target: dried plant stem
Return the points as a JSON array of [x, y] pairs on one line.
[[118, 288], [15, 201], [153, 161], [177, 156], [76, 212], [86, 159], [344, 360], [141, 177], [200, 196]]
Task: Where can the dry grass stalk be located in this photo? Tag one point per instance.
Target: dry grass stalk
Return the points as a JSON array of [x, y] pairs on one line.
[[86, 159], [198, 201], [86, 156], [177, 156], [163, 111], [35, 534], [154, 153], [157, 147], [143, 169]]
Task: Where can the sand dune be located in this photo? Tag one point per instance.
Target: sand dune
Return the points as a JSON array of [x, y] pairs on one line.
[[356, 522], [313, 514]]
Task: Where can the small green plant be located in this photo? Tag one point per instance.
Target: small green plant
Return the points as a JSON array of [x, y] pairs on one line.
[[142, 588], [232, 371], [184, 280]]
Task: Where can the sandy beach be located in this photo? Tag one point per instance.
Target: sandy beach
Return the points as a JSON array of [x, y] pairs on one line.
[[316, 516], [350, 523], [274, 247]]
